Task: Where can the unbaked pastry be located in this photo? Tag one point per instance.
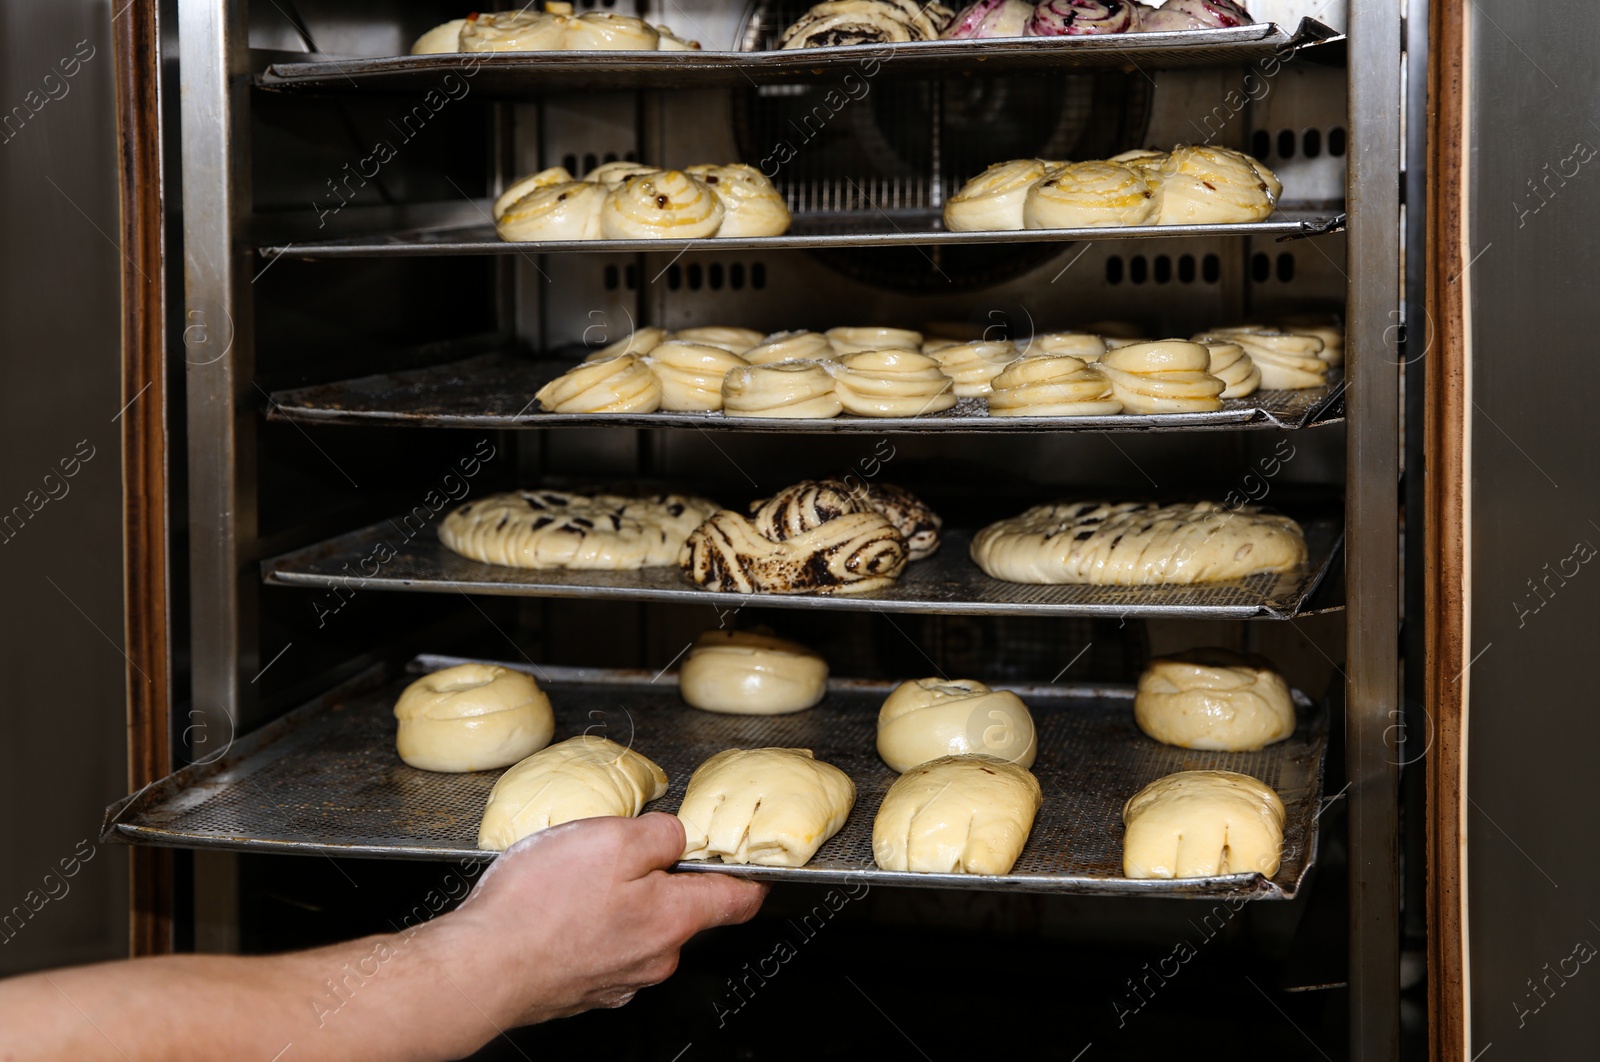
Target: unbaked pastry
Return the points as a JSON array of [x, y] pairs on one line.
[[1058, 18], [611, 175], [1235, 368], [990, 18], [442, 38], [690, 374], [956, 815], [1288, 361], [790, 346], [1195, 824], [514, 31], [557, 529], [853, 340], [855, 553], [790, 390], [1138, 544], [1325, 327], [844, 22], [472, 717], [601, 31], [623, 384], [1085, 346], [924, 719], [1214, 699], [1052, 385], [752, 205], [973, 366], [584, 777], [891, 383], [667, 205], [764, 807], [748, 673], [640, 342], [1165, 376], [1201, 185], [1090, 194], [528, 185], [733, 340], [1196, 14], [570, 210], [993, 200], [813, 502]]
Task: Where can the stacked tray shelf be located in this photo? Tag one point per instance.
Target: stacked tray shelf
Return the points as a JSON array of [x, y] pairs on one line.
[[325, 780]]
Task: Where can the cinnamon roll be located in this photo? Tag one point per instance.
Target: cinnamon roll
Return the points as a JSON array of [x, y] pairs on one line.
[[1090, 194], [568, 211], [790, 390], [973, 365], [891, 383], [1052, 385], [751, 205], [622, 384], [661, 206], [993, 200], [690, 374]]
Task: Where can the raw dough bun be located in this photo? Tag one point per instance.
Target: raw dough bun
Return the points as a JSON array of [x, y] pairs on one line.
[[598, 31], [843, 22], [956, 815], [813, 502], [623, 384], [766, 807], [990, 18], [1090, 194], [1138, 544], [974, 365], [891, 383], [584, 777], [514, 31], [993, 200], [1231, 365], [1214, 699], [671, 42], [1325, 327], [1051, 385], [855, 340], [925, 719], [472, 717], [733, 340], [554, 529], [1085, 346], [790, 346], [667, 205], [610, 175], [690, 374], [1164, 376], [1195, 824], [753, 206], [640, 342], [442, 38], [1196, 14], [792, 390], [527, 186], [567, 211], [1213, 186], [1288, 361], [854, 553], [746, 673]]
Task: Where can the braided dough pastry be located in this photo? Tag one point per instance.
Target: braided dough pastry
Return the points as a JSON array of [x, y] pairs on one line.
[[747, 673], [766, 807], [1195, 824], [925, 719], [1231, 365], [1051, 385], [690, 374], [1288, 361], [993, 200], [584, 777], [623, 384], [1090, 194], [555, 529], [1138, 544], [791, 390], [891, 383], [1213, 185], [972, 366], [812, 502], [570, 210], [956, 815], [855, 340], [790, 346], [1213, 699], [472, 717], [1167, 376], [753, 206], [668, 204]]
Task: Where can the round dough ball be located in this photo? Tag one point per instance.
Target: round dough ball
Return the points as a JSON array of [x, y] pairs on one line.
[[747, 673], [1195, 824], [1214, 699], [925, 719], [472, 717]]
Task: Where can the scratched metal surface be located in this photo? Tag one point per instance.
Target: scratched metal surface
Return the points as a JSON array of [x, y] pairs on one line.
[[326, 781]]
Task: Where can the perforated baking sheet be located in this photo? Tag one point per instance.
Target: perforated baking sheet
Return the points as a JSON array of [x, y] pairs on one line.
[[395, 556], [496, 391], [514, 75], [325, 780]]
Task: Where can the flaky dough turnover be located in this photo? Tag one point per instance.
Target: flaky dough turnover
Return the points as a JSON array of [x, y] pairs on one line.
[[584, 777], [749, 673], [925, 719], [956, 815], [558, 529], [1214, 699], [766, 807], [472, 717], [1196, 824]]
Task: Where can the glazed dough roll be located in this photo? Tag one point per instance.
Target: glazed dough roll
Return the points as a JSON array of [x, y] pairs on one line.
[[661, 206], [1214, 699], [514, 31], [1287, 361], [891, 383], [855, 340], [791, 390], [527, 186], [747, 673], [472, 717], [733, 340], [442, 38], [567, 211], [993, 200], [1325, 327], [956, 815], [596, 31], [1051, 385], [691, 374], [1167, 376], [611, 175], [1195, 824], [753, 206], [640, 342], [1231, 365], [925, 719], [558, 529], [584, 777], [854, 553], [671, 42], [1213, 185], [1090, 194], [973, 366], [1083, 345], [622, 384], [766, 807], [790, 346]]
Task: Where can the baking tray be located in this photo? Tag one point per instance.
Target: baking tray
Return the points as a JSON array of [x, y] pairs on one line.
[[514, 75], [496, 391], [948, 582], [325, 780]]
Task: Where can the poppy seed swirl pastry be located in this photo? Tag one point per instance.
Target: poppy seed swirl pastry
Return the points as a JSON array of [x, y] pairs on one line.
[[813, 502], [956, 815], [924, 719], [1214, 699], [584, 777], [623, 384], [569, 210], [788, 390], [846, 22], [750, 673], [764, 807], [1088, 195], [1166, 376], [543, 529], [752, 206], [472, 717], [854, 553], [1138, 544], [1195, 824], [1071, 18], [993, 200], [1051, 385], [665, 205], [891, 383]]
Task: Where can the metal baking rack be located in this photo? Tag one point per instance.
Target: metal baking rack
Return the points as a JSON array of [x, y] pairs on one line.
[[325, 780], [496, 391], [394, 555], [512, 75]]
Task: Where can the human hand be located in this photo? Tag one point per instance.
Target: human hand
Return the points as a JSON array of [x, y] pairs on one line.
[[584, 915]]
